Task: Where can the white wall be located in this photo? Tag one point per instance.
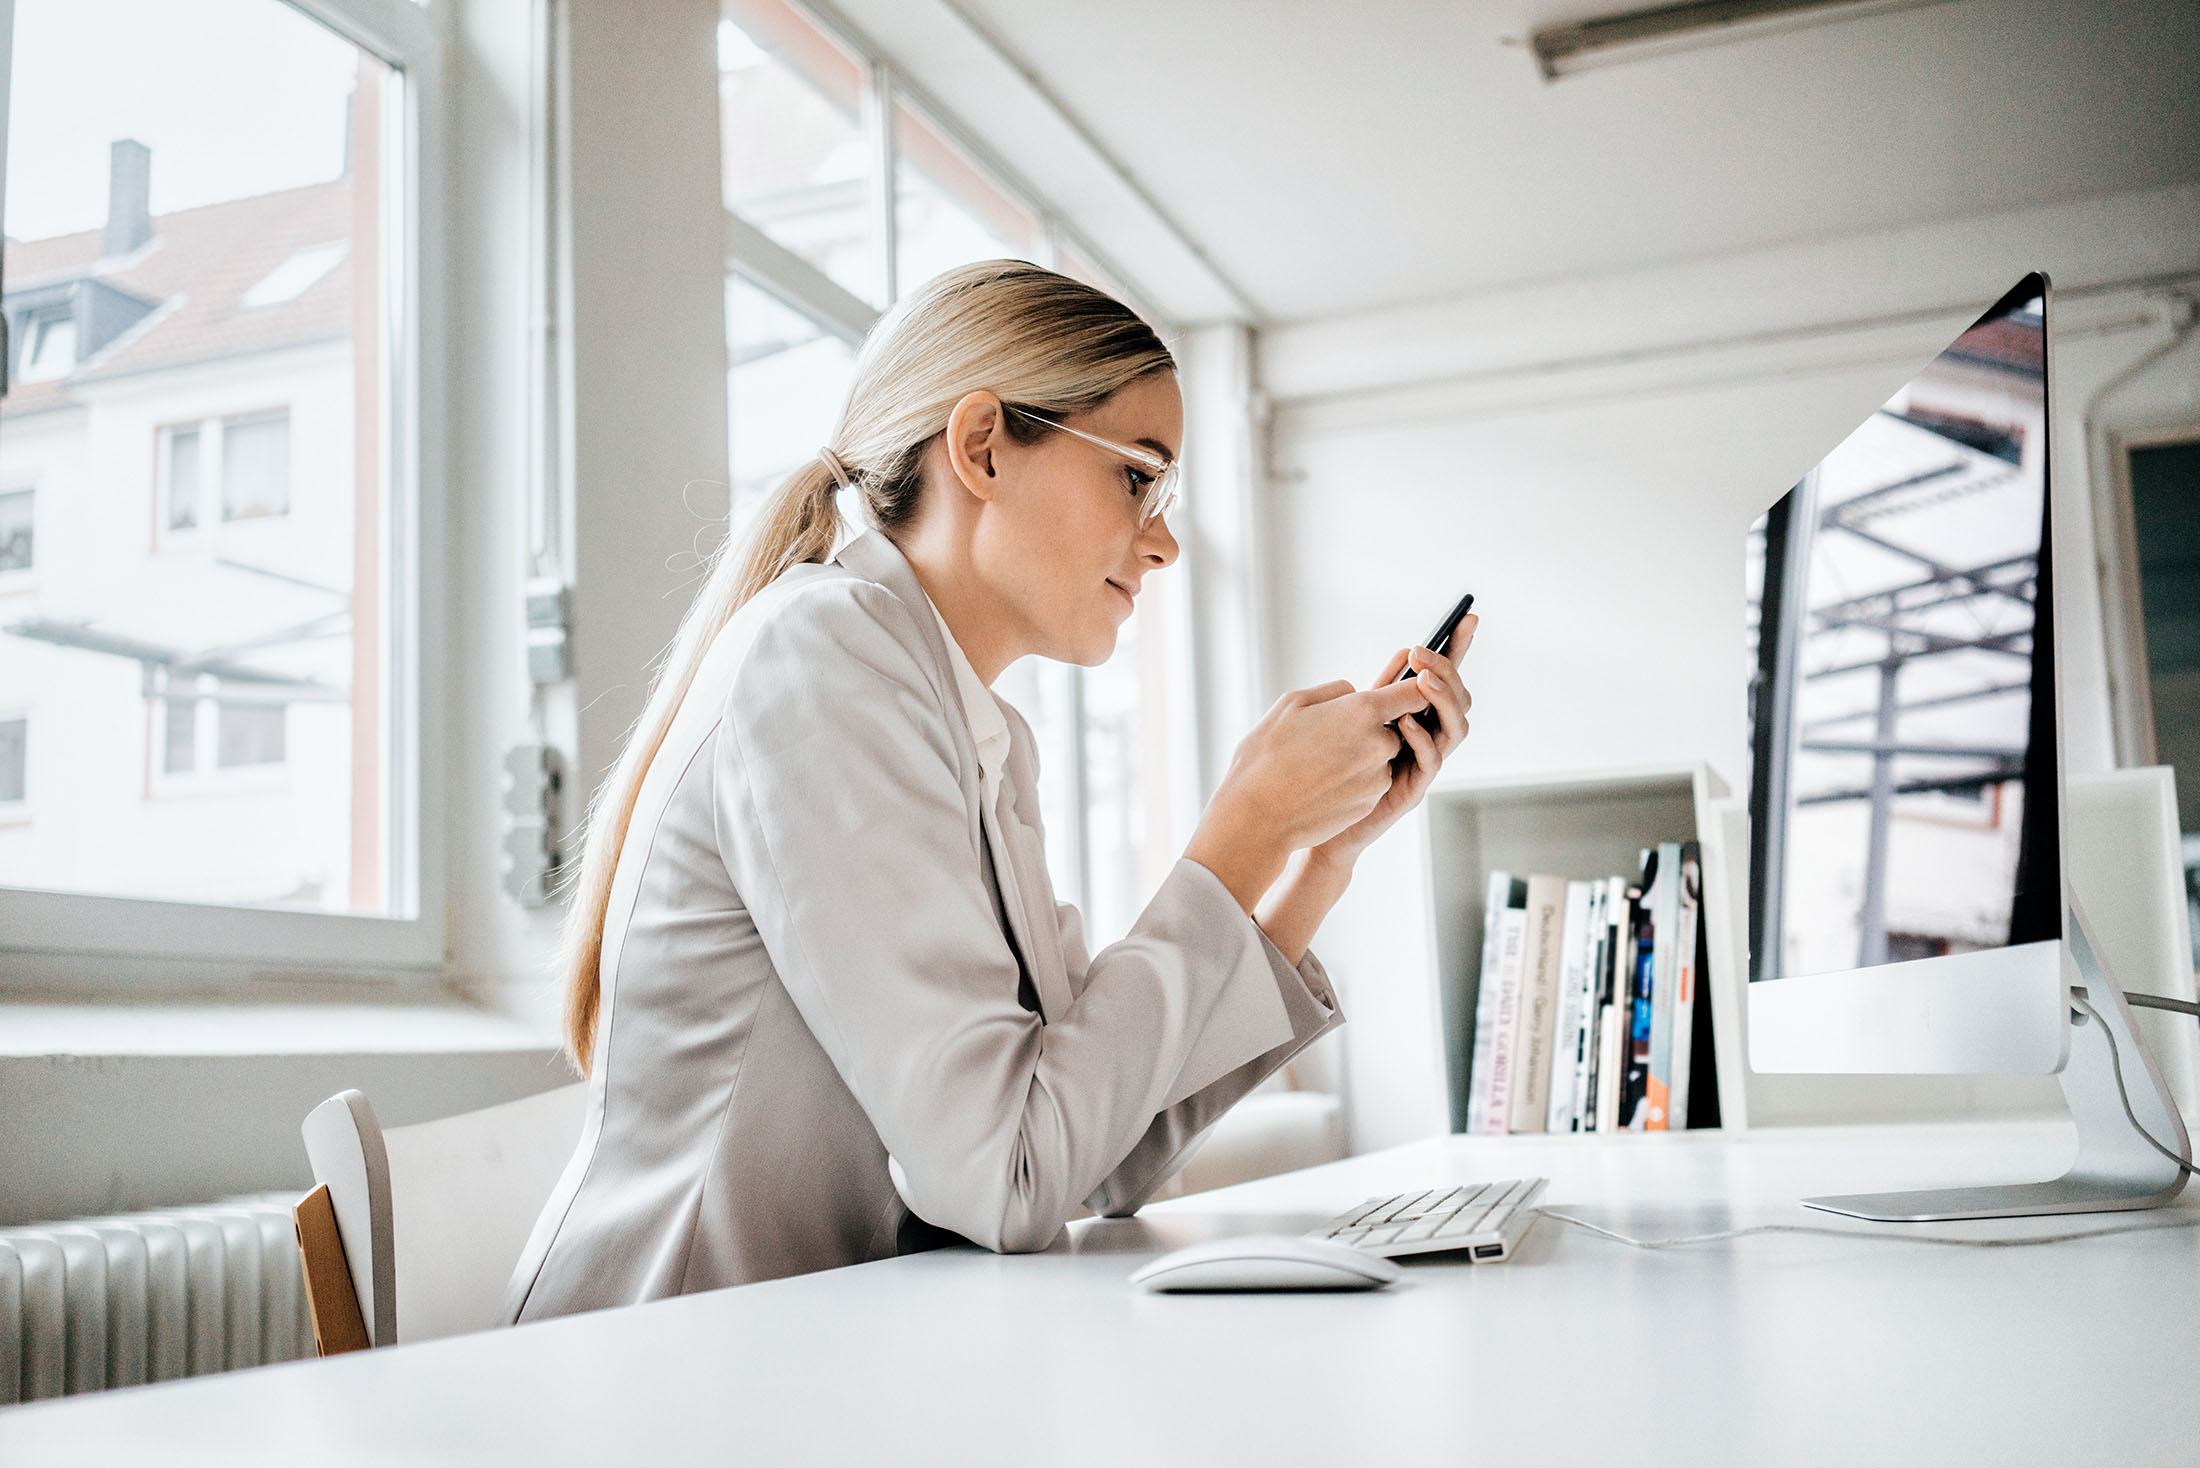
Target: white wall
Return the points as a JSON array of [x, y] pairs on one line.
[[1597, 508]]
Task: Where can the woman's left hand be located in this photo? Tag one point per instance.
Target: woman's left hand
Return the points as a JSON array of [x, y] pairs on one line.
[[1415, 768]]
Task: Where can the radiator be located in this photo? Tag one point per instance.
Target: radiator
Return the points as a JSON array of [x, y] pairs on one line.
[[103, 1302]]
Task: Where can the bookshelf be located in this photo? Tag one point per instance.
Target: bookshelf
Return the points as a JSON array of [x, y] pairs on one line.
[[1578, 825]]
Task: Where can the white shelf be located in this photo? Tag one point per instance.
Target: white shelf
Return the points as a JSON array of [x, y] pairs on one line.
[[1584, 825]]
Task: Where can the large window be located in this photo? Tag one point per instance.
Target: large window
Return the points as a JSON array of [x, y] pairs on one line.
[[213, 245], [844, 191]]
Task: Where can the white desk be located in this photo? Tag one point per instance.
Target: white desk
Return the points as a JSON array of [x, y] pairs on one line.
[[1773, 1349]]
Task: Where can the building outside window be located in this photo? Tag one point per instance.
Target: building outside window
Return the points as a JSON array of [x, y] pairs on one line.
[[16, 530], [816, 216], [208, 227]]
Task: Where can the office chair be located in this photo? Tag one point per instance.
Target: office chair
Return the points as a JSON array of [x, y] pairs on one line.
[[412, 1233]]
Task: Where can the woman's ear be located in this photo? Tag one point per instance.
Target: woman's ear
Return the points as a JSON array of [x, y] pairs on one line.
[[976, 429]]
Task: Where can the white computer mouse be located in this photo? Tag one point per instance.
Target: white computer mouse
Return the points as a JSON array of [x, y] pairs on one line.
[[1267, 1262]]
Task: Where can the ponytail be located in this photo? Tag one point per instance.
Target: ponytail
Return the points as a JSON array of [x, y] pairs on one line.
[[1038, 339]]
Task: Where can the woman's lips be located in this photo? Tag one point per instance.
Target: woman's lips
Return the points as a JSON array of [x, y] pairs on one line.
[[1129, 600]]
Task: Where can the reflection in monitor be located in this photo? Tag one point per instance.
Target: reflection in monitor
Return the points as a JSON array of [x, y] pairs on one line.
[[1902, 692]]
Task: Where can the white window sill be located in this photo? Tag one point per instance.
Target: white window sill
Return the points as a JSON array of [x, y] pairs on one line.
[[216, 1029]]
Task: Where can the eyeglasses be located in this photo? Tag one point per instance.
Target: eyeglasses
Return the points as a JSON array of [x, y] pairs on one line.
[[1164, 473]]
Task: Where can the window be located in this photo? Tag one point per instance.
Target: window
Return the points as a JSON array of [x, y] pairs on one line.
[[248, 734], [256, 466], [225, 198], [948, 210], [798, 164], [14, 765], [816, 218], [16, 530], [51, 350], [182, 459], [787, 377]]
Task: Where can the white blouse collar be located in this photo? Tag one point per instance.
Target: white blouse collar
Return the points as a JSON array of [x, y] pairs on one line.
[[988, 725]]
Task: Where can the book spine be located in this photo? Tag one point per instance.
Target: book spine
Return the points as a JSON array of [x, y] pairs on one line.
[[1664, 981], [1636, 950], [1505, 1038], [1538, 1003], [1485, 1004], [1585, 1067], [1560, 1108], [1687, 984], [1611, 1073]]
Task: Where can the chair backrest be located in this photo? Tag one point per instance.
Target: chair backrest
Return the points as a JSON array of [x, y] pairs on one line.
[[433, 1217]]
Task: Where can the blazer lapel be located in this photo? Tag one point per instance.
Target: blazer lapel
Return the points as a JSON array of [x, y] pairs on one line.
[[1030, 914], [1038, 941]]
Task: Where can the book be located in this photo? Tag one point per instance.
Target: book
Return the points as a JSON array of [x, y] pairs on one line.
[[1512, 942], [1686, 981], [1635, 947], [1504, 891], [1585, 1065], [1562, 1108], [1538, 1003], [1612, 1009], [1664, 901]]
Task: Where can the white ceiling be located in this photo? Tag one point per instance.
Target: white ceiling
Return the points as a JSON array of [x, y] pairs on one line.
[[1330, 158]]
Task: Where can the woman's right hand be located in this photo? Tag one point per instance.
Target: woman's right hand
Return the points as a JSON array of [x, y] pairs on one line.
[[1316, 763]]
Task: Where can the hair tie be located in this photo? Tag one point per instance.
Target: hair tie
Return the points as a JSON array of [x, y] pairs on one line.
[[832, 463]]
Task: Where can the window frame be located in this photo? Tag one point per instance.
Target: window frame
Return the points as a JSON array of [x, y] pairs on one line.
[[69, 940]]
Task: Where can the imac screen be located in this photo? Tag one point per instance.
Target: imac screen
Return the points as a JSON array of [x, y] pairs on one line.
[[1904, 769]]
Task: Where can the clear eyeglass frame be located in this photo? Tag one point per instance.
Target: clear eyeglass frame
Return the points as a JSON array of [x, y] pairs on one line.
[[1160, 497]]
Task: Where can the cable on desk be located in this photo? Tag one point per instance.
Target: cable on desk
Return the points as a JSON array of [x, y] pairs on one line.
[[2187, 1221], [2116, 1063]]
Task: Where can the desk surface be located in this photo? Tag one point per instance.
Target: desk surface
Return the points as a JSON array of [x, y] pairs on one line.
[[1778, 1348]]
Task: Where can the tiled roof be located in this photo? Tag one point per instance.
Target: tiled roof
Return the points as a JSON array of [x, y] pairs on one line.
[[198, 266]]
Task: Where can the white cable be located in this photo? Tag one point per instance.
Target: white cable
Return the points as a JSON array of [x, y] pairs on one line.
[[2188, 1220], [2116, 1063]]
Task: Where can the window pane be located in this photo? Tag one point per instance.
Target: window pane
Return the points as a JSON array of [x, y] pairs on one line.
[[203, 191], [14, 742], [183, 478], [15, 530], [180, 736], [249, 734], [948, 210], [255, 467], [1115, 810], [785, 389], [797, 161], [52, 349]]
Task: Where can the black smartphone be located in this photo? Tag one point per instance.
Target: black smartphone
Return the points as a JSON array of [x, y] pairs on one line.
[[1439, 642]]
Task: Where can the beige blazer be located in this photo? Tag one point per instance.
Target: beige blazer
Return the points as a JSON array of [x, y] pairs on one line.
[[811, 985]]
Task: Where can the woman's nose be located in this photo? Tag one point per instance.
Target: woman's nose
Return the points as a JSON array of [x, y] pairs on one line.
[[1157, 544]]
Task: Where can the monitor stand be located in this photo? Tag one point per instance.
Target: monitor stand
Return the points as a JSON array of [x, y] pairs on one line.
[[2115, 1169]]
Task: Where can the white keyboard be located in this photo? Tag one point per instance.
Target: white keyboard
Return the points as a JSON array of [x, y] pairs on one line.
[[1486, 1220]]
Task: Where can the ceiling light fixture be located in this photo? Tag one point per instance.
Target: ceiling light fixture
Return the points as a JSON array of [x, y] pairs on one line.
[[1638, 35]]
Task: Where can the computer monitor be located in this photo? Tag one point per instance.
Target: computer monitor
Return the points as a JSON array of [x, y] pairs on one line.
[[1909, 911]]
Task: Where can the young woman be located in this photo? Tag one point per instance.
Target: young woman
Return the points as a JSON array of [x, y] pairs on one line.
[[827, 1005]]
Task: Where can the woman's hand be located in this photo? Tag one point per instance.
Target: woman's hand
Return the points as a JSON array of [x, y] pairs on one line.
[[1316, 765], [1412, 773]]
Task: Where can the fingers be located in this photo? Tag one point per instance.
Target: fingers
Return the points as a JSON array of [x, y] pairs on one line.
[[1392, 668], [1306, 697], [1450, 701], [1392, 700], [1426, 759]]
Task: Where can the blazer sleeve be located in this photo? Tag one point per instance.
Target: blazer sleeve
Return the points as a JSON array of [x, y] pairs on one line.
[[843, 821], [1164, 1146]]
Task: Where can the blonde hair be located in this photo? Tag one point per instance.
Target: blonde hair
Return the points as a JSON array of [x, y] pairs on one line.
[[1038, 339]]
